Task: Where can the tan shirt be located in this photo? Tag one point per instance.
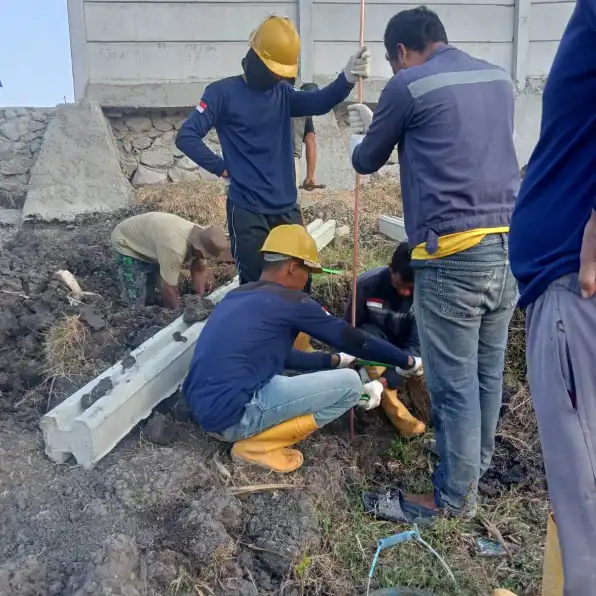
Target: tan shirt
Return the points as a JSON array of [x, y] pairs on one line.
[[156, 238]]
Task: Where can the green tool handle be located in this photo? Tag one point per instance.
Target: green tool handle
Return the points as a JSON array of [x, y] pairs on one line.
[[360, 362]]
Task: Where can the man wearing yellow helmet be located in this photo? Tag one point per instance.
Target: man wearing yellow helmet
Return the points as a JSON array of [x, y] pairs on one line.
[[252, 114], [235, 387]]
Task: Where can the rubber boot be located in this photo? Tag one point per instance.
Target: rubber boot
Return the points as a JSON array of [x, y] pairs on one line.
[[302, 343], [552, 570], [269, 449], [406, 424]]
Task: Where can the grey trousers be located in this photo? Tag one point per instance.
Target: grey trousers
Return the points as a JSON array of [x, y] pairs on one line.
[[561, 355]]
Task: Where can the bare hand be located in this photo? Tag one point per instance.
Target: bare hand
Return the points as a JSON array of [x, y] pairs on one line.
[[587, 269]]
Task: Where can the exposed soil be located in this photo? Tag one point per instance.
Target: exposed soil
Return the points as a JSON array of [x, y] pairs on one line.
[[167, 513]]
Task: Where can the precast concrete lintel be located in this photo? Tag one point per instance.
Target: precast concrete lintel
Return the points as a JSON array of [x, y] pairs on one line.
[[151, 373], [393, 227]]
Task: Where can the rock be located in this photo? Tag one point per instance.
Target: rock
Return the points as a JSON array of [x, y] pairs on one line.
[[157, 158], [162, 124], [34, 125], [35, 146], [138, 124], [154, 133], [129, 165], [11, 130], [177, 152], [165, 140], [142, 143], [145, 176], [179, 175], [8, 114], [175, 121], [39, 116], [7, 150], [205, 175], [186, 163], [126, 145], [160, 430], [342, 231], [119, 125], [17, 165], [22, 112]]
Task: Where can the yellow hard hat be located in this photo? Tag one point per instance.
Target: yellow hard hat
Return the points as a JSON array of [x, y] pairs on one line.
[[294, 241], [277, 43]]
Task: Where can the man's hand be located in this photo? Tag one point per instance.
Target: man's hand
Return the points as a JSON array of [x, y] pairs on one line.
[[360, 116], [342, 360], [374, 390], [170, 295], [587, 256], [358, 66], [416, 370]]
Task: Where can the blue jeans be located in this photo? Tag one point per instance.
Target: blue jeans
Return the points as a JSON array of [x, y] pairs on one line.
[[463, 304], [327, 394]]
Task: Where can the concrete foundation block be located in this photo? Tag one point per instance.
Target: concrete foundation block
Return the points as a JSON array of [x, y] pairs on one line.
[[78, 168], [393, 227], [151, 373]]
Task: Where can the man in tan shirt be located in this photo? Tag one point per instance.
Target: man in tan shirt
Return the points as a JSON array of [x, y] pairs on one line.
[[153, 247]]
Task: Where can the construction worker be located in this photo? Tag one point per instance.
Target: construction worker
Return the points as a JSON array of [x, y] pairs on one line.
[[252, 114], [384, 308], [150, 249], [451, 117], [235, 387], [303, 130], [553, 256]]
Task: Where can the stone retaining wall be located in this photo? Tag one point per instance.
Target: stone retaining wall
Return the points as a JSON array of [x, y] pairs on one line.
[[21, 134], [148, 154]]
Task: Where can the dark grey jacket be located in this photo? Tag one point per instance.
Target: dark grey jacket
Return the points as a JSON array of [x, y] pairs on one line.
[[452, 121]]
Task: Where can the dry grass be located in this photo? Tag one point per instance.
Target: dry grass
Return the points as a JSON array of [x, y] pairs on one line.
[[202, 202], [65, 347]]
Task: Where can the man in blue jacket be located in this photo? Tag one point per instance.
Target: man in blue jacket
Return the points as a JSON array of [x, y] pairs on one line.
[[451, 117], [235, 387], [553, 255]]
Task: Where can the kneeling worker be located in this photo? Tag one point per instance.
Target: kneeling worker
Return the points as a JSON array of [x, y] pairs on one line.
[[384, 299], [152, 248], [235, 387]]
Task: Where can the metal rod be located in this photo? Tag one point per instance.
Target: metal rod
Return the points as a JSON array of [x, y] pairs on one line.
[[360, 96]]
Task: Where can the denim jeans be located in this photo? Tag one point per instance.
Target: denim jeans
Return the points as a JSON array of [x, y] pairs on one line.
[[463, 304], [327, 394]]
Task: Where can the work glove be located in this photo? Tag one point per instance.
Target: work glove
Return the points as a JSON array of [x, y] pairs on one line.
[[374, 390], [415, 371], [345, 360], [358, 66], [359, 117], [355, 140]]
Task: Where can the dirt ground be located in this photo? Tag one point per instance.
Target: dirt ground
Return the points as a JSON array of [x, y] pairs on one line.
[[167, 513]]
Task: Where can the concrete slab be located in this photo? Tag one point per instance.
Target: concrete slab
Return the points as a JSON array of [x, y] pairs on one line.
[[78, 169], [393, 227], [151, 373]]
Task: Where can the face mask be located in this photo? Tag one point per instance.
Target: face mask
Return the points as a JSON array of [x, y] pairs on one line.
[[258, 76]]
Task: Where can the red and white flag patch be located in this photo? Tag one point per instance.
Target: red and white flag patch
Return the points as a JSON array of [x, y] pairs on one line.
[[201, 107], [374, 303]]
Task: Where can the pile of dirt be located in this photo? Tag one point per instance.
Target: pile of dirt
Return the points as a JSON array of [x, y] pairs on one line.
[[51, 343]]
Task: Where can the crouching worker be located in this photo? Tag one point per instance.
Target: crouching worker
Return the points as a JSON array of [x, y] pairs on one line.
[[150, 249], [384, 298], [235, 388]]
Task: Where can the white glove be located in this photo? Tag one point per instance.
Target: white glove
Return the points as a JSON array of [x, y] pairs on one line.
[[374, 390], [345, 360], [360, 117], [355, 140], [415, 371], [358, 66]]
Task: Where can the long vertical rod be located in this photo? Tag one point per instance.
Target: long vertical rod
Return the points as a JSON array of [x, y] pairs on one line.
[[360, 96]]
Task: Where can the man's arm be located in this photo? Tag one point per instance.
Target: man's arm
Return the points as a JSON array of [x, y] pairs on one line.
[[190, 136], [321, 101], [312, 319], [412, 344], [170, 295], [309, 360], [310, 143], [198, 273], [391, 118]]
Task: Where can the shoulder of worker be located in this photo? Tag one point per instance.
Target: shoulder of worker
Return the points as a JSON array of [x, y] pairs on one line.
[[293, 299], [369, 280], [221, 90]]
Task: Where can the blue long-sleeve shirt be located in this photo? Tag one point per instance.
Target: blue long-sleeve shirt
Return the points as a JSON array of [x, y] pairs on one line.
[[255, 132], [558, 194], [248, 340]]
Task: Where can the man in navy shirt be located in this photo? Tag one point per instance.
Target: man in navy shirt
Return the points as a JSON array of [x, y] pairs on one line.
[[235, 387], [553, 256], [384, 308]]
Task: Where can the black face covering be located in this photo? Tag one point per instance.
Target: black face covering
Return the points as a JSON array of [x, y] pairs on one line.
[[258, 76]]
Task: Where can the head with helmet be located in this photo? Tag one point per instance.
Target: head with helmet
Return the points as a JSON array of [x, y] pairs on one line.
[[290, 254], [273, 54]]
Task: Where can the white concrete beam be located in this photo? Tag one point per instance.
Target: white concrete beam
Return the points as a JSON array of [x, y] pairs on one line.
[[393, 227], [159, 367]]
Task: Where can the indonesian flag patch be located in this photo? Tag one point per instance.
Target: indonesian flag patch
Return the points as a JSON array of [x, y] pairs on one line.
[[201, 107], [374, 304]]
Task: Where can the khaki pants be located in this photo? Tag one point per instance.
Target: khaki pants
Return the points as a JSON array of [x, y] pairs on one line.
[[297, 169]]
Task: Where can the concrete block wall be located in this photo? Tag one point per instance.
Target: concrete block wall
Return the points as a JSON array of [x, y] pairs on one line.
[[21, 134]]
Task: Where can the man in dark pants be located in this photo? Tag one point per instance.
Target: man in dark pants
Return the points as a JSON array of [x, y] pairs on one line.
[[252, 114], [384, 309]]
